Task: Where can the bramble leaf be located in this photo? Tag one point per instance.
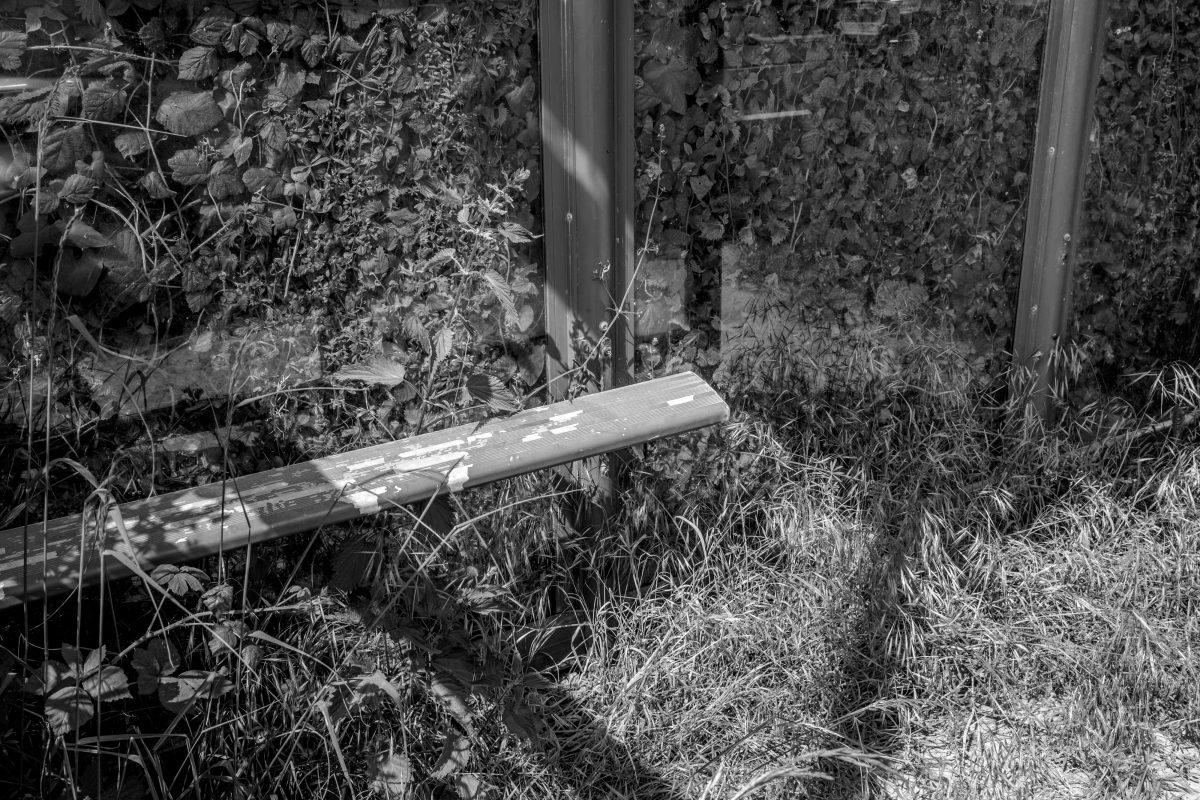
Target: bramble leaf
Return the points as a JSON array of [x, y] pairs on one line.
[[103, 101], [212, 28], [189, 113], [180, 692], [189, 167], [12, 47], [155, 185], [107, 684], [131, 143], [68, 709], [158, 659], [197, 63]]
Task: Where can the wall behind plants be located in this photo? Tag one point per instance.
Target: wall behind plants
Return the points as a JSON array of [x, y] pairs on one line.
[[1139, 281], [896, 158], [856, 159], [369, 165]]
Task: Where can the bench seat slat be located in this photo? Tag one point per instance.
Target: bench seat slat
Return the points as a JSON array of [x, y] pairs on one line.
[[196, 522]]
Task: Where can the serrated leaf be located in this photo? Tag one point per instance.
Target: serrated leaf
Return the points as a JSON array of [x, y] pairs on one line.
[[180, 692], [62, 147], [77, 189], [92, 12], [189, 113], [218, 599], [83, 235], [456, 756], [443, 343], [189, 167], [158, 659], [313, 49], [391, 775], [197, 63], [225, 637], [153, 35], [503, 293], [107, 684], [68, 709], [491, 391], [262, 179], [24, 107], [48, 677], [155, 185], [379, 371], [288, 83], [284, 35], [12, 47], [444, 256], [212, 28], [223, 180], [104, 101], [178, 580], [672, 82], [131, 143]]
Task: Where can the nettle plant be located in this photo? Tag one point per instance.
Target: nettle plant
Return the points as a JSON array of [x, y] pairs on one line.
[[361, 162]]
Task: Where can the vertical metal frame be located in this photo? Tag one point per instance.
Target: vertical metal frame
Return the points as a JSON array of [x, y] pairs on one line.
[[586, 51], [1075, 38]]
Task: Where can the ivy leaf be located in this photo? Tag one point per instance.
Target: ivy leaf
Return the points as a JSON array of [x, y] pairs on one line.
[[155, 185], [379, 371], [103, 101], [107, 684], [491, 391], [68, 709], [197, 63], [62, 147], [189, 113], [157, 660], [672, 82], [189, 167], [180, 692], [213, 27], [261, 179], [12, 47]]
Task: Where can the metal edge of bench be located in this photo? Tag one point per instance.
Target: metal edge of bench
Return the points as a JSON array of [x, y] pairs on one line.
[[44, 559]]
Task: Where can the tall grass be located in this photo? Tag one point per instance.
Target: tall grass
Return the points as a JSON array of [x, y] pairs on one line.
[[898, 589]]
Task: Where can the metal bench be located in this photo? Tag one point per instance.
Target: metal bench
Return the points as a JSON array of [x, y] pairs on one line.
[[47, 558]]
